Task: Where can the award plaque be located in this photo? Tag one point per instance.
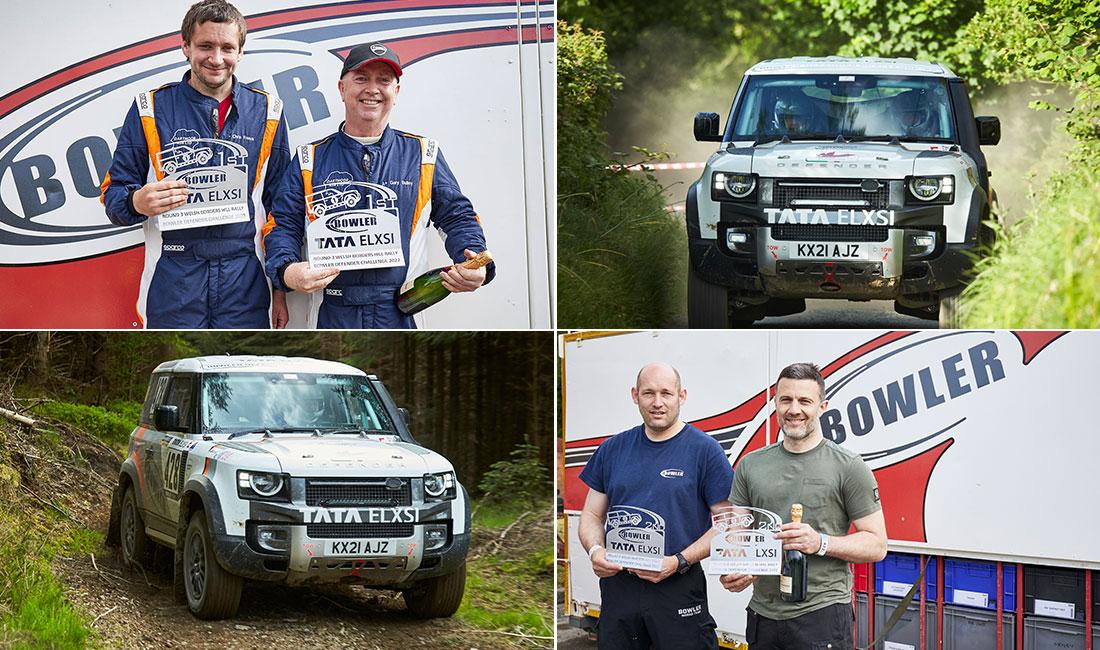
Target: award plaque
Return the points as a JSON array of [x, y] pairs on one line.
[[635, 538], [215, 196], [745, 542], [355, 225], [360, 239]]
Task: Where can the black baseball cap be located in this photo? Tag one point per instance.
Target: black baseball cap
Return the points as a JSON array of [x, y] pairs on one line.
[[361, 55]]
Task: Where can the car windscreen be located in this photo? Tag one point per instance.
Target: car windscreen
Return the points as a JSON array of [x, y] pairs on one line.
[[819, 106], [288, 401]]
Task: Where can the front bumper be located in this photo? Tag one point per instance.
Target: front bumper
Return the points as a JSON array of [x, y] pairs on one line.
[[892, 268], [306, 559]]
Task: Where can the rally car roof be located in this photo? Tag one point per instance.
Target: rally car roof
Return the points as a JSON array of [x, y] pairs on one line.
[[253, 363], [850, 65]]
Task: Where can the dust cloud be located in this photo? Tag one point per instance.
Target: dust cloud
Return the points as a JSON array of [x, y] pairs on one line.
[[669, 78], [1033, 143]]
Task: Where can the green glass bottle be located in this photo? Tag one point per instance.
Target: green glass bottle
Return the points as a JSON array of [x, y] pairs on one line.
[[426, 289], [792, 581]]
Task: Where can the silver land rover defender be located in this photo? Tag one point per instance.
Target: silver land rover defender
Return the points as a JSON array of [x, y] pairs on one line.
[[850, 178], [288, 470]]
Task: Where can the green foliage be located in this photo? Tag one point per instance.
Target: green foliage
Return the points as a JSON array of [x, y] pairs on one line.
[[619, 251], [625, 21], [131, 411], [33, 609], [922, 29], [80, 541], [508, 584], [522, 479], [109, 426], [759, 28], [1045, 272], [498, 513], [495, 606], [1048, 40]]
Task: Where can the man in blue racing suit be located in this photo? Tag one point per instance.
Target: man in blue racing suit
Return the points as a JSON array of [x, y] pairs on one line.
[[202, 276], [367, 165]]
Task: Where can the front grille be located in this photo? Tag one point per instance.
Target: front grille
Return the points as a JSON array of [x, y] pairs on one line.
[[829, 193], [333, 493], [358, 531], [829, 232]]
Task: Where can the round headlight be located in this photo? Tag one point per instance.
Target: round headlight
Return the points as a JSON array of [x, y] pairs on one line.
[[740, 185], [265, 485], [925, 188], [433, 485]]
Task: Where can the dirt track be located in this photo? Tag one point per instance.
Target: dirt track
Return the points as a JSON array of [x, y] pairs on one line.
[[140, 614]]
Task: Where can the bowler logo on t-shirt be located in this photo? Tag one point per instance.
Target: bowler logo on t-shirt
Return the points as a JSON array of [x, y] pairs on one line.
[[672, 473]]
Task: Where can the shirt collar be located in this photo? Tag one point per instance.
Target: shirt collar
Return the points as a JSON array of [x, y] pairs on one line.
[[195, 96], [346, 140]]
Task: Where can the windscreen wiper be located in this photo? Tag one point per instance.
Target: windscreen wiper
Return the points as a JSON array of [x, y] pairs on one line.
[[267, 431], [362, 432]]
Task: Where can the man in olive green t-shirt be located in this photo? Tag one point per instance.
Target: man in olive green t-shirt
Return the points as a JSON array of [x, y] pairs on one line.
[[837, 491]]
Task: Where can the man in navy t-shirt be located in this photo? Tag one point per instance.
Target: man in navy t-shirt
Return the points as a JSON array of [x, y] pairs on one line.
[[679, 474]]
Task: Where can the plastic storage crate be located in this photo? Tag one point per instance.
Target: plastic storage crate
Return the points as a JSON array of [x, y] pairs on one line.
[[1055, 592], [973, 583], [966, 628], [860, 575], [1042, 633], [895, 575], [906, 634], [861, 621]]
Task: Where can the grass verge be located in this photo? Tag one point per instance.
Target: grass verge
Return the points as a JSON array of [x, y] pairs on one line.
[[509, 586], [34, 612], [111, 424], [1045, 271]]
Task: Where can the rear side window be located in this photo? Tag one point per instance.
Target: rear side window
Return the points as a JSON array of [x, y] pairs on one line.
[[154, 396]]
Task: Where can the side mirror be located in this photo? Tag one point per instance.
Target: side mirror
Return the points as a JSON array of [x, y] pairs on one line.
[[706, 127], [167, 418], [989, 130], [404, 414]]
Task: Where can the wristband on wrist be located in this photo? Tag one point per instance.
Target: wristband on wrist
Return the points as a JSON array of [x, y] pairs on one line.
[[130, 203], [824, 544], [682, 565], [592, 551]]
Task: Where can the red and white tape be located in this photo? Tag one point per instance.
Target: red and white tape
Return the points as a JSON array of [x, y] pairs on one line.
[[659, 167]]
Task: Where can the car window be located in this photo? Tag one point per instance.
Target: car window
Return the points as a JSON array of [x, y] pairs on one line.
[[825, 106], [181, 395], [235, 401], [154, 396]]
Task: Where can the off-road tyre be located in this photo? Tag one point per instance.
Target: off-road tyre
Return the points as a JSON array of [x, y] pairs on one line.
[[708, 304], [437, 597], [212, 592], [137, 548]]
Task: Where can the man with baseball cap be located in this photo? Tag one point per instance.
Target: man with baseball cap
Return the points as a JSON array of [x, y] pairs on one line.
[[203, 273], [367, 165]]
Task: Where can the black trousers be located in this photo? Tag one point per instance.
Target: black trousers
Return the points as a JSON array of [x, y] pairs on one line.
[[828, 628], [672, 614]]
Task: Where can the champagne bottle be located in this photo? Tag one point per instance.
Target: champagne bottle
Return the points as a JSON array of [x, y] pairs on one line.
[[792, 581], [426, 289]]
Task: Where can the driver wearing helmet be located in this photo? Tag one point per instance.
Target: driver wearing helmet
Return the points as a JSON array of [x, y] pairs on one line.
[[792, 115], [912, 114]]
